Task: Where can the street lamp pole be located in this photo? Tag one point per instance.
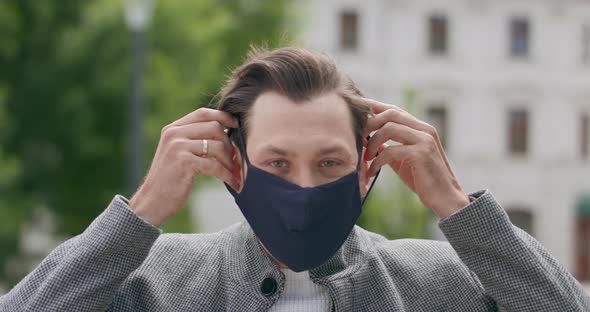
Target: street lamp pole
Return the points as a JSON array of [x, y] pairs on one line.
[[137, 16]]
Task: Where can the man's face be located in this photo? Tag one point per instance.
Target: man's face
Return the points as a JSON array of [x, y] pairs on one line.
[[308, 144]]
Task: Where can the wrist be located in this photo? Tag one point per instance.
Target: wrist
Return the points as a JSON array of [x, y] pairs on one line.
[[452, 205], [141, 206]]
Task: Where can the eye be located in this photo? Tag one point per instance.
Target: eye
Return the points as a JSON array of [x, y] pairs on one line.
[[278, 163], [329, 163]]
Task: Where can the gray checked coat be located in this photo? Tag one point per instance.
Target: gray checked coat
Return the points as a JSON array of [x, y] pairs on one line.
[[121, 263]]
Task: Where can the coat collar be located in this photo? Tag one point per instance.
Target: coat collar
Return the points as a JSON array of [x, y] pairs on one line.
[[246, 266]]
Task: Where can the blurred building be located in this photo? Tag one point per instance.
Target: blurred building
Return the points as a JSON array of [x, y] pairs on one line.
[[505, 82]]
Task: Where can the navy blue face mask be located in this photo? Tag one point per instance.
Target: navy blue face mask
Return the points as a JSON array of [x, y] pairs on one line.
[[300, 226]]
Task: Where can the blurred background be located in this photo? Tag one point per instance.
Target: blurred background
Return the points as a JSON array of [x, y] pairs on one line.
[[86, 86]]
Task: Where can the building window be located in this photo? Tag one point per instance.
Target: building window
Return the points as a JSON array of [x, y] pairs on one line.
[[519, 37], [518, 131], [348, 30], [584, 135], [437, 117], [522, 218], [438, 34], [586, 44]]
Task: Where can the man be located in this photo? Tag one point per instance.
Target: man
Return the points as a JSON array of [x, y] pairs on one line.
[[297, 144]]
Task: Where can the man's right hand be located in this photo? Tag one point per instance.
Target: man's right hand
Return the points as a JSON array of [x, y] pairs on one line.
[[179, 158]]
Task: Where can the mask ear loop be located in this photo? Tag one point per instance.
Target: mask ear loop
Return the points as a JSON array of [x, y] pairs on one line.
[[371, 187], [374, 179]]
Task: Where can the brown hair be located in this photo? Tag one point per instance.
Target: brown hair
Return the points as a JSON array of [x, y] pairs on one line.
[[297, 73]]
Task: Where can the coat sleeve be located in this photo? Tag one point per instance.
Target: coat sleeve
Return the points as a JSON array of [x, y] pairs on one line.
[[84, 272], [513, 267]]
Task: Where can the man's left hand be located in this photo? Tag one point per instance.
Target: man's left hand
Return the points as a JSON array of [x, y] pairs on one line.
[[419, 160]]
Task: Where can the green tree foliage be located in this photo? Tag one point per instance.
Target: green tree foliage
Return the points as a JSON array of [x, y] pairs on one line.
[[396, 212], [64, 84]]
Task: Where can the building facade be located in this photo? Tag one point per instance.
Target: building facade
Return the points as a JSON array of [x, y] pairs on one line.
[[505, 82]]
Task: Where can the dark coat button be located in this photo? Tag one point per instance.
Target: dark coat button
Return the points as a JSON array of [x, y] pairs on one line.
[[268, 286]]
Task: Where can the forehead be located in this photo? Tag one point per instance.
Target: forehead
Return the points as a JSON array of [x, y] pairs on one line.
[[274, 118]]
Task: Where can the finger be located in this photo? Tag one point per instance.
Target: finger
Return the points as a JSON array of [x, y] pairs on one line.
[[396, 132], [389, 155], [378, 107], [208, 114], [202, 130], [396, 164], [215, 149], [379, 150], [213, 168], [400, 117]]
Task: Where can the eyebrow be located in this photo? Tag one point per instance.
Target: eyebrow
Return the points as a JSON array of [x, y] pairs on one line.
[[275, 150], [324, 151], [333, 149]]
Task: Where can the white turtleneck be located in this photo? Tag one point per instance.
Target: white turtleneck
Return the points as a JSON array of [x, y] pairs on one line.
[[301, 294]]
